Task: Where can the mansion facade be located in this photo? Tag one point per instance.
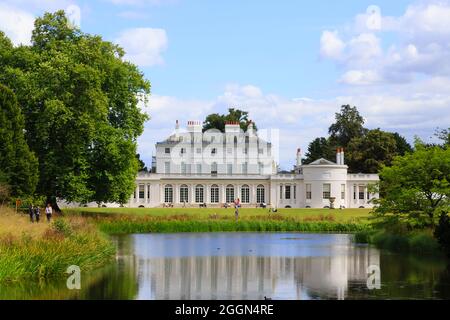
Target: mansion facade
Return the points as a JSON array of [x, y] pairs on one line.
[[193, 168]]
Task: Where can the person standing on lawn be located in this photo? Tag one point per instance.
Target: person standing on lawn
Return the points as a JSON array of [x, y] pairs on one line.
[[237, 205], [49, 212], [37, 213], [31, 213]]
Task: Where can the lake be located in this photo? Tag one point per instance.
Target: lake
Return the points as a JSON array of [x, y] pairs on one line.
[[248, 266]]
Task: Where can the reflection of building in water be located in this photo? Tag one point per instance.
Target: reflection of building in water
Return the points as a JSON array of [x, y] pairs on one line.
[[253, 277]]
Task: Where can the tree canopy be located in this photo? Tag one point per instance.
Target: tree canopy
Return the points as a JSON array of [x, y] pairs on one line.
[[80, 102], [18, 165], [417, 185], [366, 150], [217, 121]]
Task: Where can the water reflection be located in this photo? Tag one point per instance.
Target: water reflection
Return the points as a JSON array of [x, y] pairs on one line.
[[247, 266]]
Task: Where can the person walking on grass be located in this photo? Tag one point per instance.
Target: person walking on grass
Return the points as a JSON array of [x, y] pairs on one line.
[[48, 212], [31, 213], [237, 205], [37, 213]]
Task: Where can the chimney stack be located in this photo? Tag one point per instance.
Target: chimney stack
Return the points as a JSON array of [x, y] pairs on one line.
[[299, 157], [342, 157], [338, 156], [177, 128]]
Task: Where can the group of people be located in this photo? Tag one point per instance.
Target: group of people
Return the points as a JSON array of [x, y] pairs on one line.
[[35, 212]]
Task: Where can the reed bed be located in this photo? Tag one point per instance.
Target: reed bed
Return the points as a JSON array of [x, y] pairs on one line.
[[127, 224], [44, 250]]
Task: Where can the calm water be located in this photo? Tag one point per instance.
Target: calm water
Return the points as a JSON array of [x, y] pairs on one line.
[[248, 266]]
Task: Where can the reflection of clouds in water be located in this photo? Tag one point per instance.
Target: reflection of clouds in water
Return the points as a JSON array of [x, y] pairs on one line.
[[223, 276]]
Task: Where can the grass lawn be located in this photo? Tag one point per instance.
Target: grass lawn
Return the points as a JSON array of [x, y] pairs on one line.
[[346, 215]]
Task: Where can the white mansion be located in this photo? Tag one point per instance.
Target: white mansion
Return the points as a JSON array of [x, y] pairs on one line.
[[194, 168]]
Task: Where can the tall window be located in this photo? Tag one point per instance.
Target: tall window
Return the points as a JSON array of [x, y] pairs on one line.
[[199, 191], [214, 194], [229, 168], [245, 194], [308, 192], [168, 194], [229, 193], [183, 168], [184, 194], [281, 192], [354, 192], [166, 167], [295, 192], [260, 168], [214, 168], [199, 168], [141, 191], [260, 194], [343, 191], [287, 192], [361, 192], [167, 150], [326, 191]]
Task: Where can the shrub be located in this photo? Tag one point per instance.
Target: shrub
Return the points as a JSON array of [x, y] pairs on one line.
[[61, 226], [442, 232]]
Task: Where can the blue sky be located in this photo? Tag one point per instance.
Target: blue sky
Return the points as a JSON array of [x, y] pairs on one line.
[[290, 63]]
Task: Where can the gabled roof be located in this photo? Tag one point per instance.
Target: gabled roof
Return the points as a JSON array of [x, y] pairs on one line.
[[322, 162]]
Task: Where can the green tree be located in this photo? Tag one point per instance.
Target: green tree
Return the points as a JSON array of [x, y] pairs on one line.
[[402, 146], [141, 164], [19, 167], [444, 136], [76, 89], [417, 186], [319, 148], [349, 124], [368, 153], [217, 121]]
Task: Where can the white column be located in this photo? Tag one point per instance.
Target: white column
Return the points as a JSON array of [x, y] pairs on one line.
[[253, 194], [145, 193], [206, 195], [175, 193], [137, 193], [161, 193], [192, 193]]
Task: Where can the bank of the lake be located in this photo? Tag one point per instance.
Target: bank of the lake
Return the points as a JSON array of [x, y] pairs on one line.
[[417, 242], [158, 220], [45, 250]]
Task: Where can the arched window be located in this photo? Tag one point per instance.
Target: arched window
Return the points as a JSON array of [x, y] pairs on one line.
[[260, 194], [229, 193], [168, 194], [184, 194], [199, 192], [245, 194], [214, 193]]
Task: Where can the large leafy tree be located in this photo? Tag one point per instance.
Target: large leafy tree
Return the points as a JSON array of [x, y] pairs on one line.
[[18, 165], [368, 153], [218, 121], [319, 148], [349, 124], [80, 101], [416, 188]]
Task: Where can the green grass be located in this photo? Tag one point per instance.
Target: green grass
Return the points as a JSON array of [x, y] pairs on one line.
[[46, 250], [346, 215], [141, 220]]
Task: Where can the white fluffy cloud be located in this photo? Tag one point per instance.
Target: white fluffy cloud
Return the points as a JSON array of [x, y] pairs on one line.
[[144, 46], [16, 24], [421, 47]]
